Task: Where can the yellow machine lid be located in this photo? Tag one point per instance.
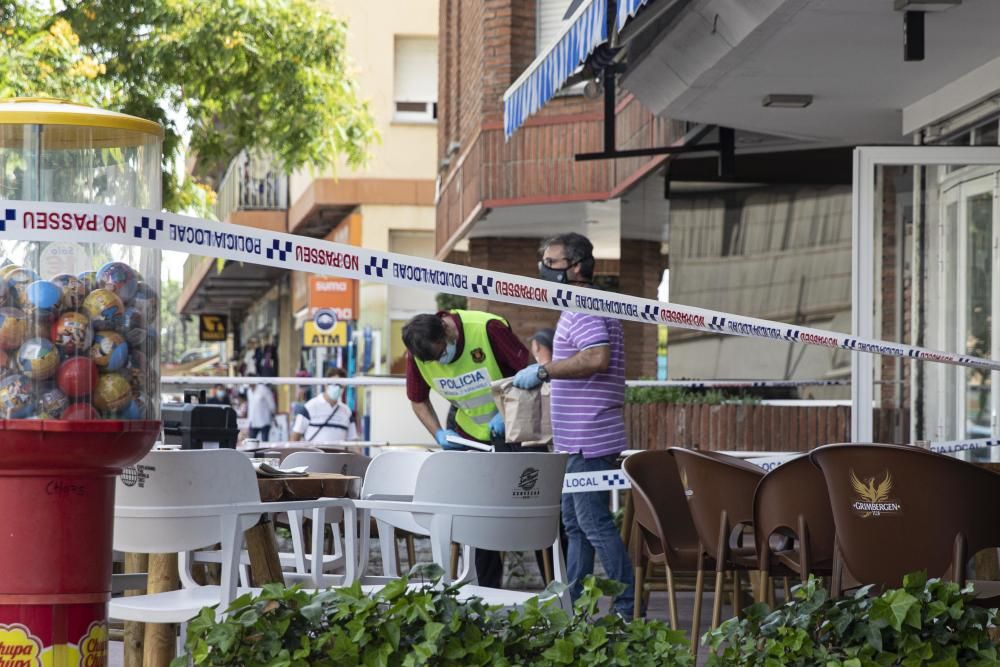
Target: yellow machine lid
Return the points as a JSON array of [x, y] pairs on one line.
[[116, 128]]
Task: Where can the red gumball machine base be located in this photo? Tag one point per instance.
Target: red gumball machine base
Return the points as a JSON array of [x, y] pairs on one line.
[[57, 489]]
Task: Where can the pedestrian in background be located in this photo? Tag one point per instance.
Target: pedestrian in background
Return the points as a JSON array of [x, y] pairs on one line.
[[541, 345], [326, 418], [260, 411], [588, 397]]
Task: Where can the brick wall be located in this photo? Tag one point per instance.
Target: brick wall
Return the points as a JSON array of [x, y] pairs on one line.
[[641, 269], [518, 256]]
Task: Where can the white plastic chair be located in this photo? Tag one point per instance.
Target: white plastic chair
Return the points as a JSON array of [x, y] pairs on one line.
[[502, 502], [323, 462], [186, 500]]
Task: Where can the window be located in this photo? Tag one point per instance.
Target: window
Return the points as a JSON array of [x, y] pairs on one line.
[[550, 22], [415, 80]]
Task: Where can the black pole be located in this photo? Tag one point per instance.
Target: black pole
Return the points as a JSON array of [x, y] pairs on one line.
[[609, 109]]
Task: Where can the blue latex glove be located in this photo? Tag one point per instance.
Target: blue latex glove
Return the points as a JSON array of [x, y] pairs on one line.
[[442, 439], [527, 378], [497, 427]]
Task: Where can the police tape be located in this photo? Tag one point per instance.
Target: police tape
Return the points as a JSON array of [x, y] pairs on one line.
[[599, 480], [952, 446], [95, 223]]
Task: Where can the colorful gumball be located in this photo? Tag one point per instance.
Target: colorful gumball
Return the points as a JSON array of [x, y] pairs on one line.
[[7, 269], [38, 358], [73, 291], [109, 351], [52, 403], [80, 412], [43, 295], [113, 392], [146, 301], [104, 308], [134, 326], [77, 377], [16, 400], [19, 279], [72, 333], [13, 328], [136, 408], [119, 278]]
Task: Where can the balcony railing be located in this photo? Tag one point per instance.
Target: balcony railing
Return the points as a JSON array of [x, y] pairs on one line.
[[252, 182]]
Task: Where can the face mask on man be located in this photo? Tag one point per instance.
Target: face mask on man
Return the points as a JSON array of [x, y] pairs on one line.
[[555, 275], [449, 353], [333, 392]]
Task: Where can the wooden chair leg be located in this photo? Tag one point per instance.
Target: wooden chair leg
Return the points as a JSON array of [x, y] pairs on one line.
[[411, 551], [699, 589], [770, 593], [454, 561], [717, 602], [640, 581], [672, 599], [395, 553], [762, 587], [737, 593], [547, 566], [788, 590]]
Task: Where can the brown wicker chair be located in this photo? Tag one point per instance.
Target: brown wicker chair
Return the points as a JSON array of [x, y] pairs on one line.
[[793, 524], [720, 492], [663, 532], [900, 509]]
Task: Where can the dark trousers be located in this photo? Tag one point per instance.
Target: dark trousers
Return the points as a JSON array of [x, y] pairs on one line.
[[263, 431]]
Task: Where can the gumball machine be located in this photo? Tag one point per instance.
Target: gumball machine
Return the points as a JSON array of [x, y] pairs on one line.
[[79, 384]]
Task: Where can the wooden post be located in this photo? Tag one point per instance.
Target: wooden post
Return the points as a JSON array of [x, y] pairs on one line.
[[160, 641], [262, 548], [133, 639]]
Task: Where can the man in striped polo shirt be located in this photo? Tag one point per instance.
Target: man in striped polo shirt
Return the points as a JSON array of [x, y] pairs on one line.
[[588, 396]]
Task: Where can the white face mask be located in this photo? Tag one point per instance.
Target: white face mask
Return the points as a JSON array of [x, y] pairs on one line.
[[333, 392], [449, 354]]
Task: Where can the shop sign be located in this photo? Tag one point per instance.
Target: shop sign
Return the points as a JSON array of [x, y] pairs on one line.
[[337, 294], [212, 328], [315, 336]]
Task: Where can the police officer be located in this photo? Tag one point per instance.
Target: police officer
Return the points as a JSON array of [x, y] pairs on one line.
[[459, 353]]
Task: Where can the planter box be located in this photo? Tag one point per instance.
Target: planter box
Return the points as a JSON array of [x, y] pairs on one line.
[[752, 427]]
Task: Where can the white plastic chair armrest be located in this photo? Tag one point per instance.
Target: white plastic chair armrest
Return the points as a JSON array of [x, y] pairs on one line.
[[447, 508]]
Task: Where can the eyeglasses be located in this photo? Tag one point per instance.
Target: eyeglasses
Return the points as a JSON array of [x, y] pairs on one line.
[[550, 261]]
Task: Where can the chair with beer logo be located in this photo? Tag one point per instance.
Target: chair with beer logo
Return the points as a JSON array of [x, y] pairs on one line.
[[900, 509], [663, 532], [193, 499], [793, 524], [508, 502], [720, 492]]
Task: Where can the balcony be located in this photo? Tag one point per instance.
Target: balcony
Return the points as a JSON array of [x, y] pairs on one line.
[[252, 183]]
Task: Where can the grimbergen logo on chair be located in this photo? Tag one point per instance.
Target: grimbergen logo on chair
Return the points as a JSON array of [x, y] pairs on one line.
[[526, 484], [873, 498]]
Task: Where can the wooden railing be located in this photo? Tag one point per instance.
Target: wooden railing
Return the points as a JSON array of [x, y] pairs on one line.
[[752, 427]]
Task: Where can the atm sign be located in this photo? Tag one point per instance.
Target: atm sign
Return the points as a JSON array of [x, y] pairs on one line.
[[314, 336]]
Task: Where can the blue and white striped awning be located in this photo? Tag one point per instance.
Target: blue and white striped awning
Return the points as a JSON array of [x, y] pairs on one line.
[[626, 10], [587, 28]]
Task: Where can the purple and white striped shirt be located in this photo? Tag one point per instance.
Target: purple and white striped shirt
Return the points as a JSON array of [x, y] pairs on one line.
[[587, 413]]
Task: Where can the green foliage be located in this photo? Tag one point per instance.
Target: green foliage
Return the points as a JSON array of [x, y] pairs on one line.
[[683, 395], [450, 301], [269, 75], [424, 625], [926, 622]]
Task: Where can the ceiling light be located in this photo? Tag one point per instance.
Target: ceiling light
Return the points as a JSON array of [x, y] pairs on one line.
[[926, 5], [787, 101]]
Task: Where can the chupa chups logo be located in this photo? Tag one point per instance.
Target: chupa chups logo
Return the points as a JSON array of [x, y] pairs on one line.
[[19, 647], [526, 484], [94, 645], [873, 499]]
